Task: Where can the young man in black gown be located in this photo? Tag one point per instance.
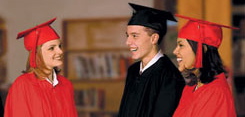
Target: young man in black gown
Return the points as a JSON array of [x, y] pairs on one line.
[[153, 85]]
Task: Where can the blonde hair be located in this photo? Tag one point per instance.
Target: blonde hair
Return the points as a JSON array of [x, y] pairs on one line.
[[41, 71]]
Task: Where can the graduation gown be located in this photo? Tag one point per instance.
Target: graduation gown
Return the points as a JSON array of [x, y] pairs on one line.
[[210, 100], [154, 93], [31, 97]]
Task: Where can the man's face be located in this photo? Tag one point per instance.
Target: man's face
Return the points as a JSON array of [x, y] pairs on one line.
[[139, 42]]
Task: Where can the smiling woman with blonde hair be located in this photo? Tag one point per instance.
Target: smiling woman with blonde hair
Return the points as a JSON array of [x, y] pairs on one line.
[[40, 91]]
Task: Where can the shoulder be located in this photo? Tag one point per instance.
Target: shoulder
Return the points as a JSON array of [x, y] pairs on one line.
[[166, 61], [63, 80], [220, 83], [217, 89], [23, 82], [167, 66], [25, 78], [134, 66]]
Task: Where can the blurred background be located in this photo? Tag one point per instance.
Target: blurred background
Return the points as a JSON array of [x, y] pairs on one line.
[[96, 57]]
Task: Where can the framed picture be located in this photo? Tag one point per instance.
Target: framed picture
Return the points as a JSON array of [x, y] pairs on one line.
[[95, 33]]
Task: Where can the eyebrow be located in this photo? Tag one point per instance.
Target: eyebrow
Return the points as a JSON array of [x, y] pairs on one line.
[[132, 33], [54, 45], [179, 41]]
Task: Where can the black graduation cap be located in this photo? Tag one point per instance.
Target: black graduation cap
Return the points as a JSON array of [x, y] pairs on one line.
[[151, 18]]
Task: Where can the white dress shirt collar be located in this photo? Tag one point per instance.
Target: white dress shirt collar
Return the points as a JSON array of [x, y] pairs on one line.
[[152, 61], [55, 81]]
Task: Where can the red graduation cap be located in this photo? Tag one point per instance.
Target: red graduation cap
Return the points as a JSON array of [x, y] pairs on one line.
[[202, 32], [37, 35]]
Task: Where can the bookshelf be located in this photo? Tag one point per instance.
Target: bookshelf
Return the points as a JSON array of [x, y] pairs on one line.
[[95, 61]]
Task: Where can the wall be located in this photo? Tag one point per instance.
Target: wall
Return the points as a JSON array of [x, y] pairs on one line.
[[23, 14]]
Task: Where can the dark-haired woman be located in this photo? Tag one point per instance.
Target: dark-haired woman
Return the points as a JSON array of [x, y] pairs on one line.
[[207, 93]]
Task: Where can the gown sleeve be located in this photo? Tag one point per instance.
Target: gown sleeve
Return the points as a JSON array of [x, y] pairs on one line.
[[17, 101]]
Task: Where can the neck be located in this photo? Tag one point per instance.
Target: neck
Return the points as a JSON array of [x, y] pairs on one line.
[[50, 76], [149, 57]]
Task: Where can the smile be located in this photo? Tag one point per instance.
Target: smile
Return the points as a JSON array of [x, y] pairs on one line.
[[133, 49], [179, 59], [58, 58]]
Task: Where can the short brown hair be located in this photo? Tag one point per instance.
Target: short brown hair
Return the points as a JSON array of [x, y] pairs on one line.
[[151, 31]]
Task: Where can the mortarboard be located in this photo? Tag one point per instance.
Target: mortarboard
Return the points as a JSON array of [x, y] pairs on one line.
[[202, 32], [37, 35], [151, 18]]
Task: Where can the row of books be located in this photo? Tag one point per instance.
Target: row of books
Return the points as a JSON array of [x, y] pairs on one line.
[[90, 99], [101, 65]]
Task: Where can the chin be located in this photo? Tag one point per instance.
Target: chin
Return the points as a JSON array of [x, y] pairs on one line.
[[181, 69], [136, 58], [58, 64]]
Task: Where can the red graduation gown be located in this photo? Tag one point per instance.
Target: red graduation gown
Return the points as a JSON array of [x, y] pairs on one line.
[[211, 100], [31, 97]]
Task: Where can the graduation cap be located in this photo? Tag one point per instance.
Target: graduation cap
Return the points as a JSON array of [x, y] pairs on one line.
[[37, 35], [151, 18], [202, 32]]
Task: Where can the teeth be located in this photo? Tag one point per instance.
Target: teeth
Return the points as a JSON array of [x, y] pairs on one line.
[[58, 58], [179, 59], [133, 49]]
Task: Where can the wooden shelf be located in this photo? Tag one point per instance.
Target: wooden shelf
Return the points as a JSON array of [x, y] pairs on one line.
[[95, 61]]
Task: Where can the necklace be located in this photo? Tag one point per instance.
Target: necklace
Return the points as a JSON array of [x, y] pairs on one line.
[[199, 84]]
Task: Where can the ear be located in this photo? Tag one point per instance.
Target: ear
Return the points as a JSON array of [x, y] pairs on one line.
[[154, 38]]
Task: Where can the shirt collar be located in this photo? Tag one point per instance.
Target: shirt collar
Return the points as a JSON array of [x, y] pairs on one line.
[[152, 61], [55, 81]]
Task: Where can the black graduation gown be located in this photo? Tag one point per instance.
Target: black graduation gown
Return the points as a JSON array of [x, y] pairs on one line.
[[154, 93]]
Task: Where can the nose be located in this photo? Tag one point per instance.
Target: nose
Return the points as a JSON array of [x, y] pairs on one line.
[[175, 52], [128, 41], [60, 51]]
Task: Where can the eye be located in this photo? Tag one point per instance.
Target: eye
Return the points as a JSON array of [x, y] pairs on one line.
[[135, 36], [127, 35], [179, 44], [60, 46], [51, 48]]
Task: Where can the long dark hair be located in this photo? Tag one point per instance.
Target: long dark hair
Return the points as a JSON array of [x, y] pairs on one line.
[[211, 61]]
